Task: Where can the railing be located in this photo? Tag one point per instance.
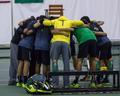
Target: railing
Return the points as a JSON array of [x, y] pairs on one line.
[[115, 84]]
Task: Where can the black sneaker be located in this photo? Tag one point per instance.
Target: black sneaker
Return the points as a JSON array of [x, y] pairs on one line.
[[12, 83], [105, 80]]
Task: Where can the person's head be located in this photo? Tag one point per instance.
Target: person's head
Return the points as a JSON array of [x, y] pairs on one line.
[[41, 18], [32, 18], [86, 19], [52, 18]]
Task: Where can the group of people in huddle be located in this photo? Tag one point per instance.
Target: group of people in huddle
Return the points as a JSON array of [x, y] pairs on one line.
[[41, 40]]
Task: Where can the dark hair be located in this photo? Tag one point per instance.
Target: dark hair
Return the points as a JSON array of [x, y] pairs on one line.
[[85, 19], [52, 18], [32, 18], [41, 18]]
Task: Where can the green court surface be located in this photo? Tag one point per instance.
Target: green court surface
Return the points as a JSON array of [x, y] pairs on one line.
[[6, 90]]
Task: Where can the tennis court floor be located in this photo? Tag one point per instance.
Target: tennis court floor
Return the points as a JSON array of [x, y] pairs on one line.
[[6, 90]]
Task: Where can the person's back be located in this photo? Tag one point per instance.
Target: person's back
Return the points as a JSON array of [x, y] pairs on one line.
[[87, 47], [13, 55], [62, 22], [101, 39], [24, 58], [84, 34], [28, 40], [42, 46], [103, 52], [43, 37]]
